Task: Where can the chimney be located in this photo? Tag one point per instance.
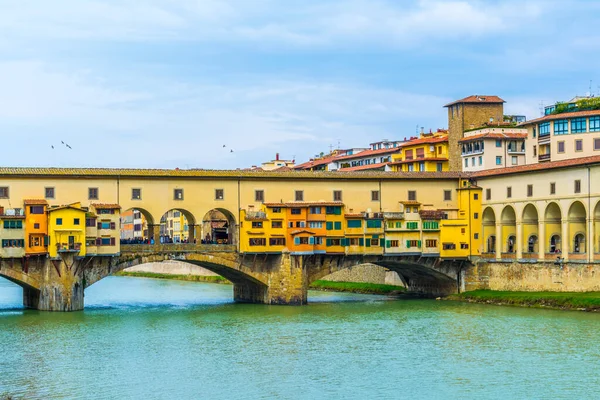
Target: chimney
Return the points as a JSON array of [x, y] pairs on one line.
[[276, 156]]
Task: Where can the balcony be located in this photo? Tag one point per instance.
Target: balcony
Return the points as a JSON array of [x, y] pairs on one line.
[[256, 215], [393, 215], [67, 248], [372, 215], [544, 139], [515, 151], [544, 157]]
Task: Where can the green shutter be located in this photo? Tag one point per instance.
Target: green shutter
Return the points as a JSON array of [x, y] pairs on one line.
[[46, 240], [296, 240], [419, 243], [361, 242], [328, 242], [329, 225], [338, 211], [408, 244], [388, 244], [382, 242], [338, 225], [368, 243]]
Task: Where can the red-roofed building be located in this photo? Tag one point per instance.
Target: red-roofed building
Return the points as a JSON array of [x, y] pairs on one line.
[[490, 148], [429, 153]]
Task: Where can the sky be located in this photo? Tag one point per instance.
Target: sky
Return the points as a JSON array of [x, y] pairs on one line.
[[168, 83]]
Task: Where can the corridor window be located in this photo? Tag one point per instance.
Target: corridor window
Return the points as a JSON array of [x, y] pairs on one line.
[[92, 193], [219, 194], [296, 211], [552, 188], [49, 192], [431, 243], [561, 127], [374, 195], [577, 186], [579, 145], [508, 192], [178, 194], [257, 241], [488, 194], [299, 195], [136, 194], [276, 224], [449, 246], [277, 242], [529, 190], [447, 195], [4, 192], [337, 195], [259, 195], [412, 195]]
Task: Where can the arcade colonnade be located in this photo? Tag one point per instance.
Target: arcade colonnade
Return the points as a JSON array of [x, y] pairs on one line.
[[542, 230]]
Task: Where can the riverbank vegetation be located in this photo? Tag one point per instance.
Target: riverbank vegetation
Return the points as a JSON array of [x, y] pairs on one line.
[[583, 301], [352, 287]]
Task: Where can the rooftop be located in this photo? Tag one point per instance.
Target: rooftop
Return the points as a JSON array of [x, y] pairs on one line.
[[563, 115], [478, 99], [495, 135], [575, 162]]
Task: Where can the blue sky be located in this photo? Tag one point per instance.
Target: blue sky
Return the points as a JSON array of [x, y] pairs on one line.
[[167, 83]]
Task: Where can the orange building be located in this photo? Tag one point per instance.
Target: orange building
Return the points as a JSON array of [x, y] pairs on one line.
[[36, 226]]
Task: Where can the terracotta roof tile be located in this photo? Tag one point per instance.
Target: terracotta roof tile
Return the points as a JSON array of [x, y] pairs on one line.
[[363, 167], [574, 162], [40, 202], [494, 135], [477, 99], [418, 160], [299, 231], [425, 140], [300, 204], [410, 203], [564, 115], [354, 215], [100, 206]]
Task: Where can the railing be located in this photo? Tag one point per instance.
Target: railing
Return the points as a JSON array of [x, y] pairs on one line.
[[544, 157], [256, 215], [578, 256], [177, 248], [530, 256], [393, 215], [65, 247], [513, 151], [508, 256]]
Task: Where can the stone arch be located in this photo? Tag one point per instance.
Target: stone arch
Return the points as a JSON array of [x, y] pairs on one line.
[[530, 226], [553, 228], [488, 220], [576, 219], [177, 225], [219, 226], [596, 216], [130, 221], [508, 219]]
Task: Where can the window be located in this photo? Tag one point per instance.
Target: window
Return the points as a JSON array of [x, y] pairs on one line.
[[475, 215], [393, 243], [353, 241], [276, 210], [464, 246], [178, 194], [257, 224], [480, 160], [318, 240], [90, 222], [412, 225], [36, 226], [472, 161], [498, 143], [431, 225], [514, 160], [49, 192], [13, 224], [13, 243], [534, 150], [545, 129], [276, 224], [594, 124], [476, 236], [498, 160], [475, 197], [374, 195], [577, 186], [136, 194], [300, 224], [337, 225], [315, 224], [301, 240], [296, 211], [466, 162], [334, 242], [333, 210], [413, 243], [314, 210], [552, 188], [529, 190], [578, 125], [449, 246], [299, 195], [219, 195], [108, 225], [488, 194], [597, 144], [4, 192], [374, 242], [58, 221], [561, 127], [257, 241], [431, 243], [412, 195], [354, 223], [259, 195], [373, 223], [337, 195], [105, 211], [560, 147], [439, 167], [36, 209], [447, 195], [508, 192], [277, 242], [534, 132], [75, 221], [579, 145], [93, 193]]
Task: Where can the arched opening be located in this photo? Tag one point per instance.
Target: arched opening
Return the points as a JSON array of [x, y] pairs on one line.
[[177, 227], [509, 229], [532, 244], [555, 244], [597, 228], [219, 227], [530, 227], [488, 220], [553, 226], [577, 227], [135, 226]]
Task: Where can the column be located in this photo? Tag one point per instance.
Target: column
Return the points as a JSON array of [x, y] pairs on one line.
[[191, 233], [498, 240], [541, 240], [154, 233], [519, 239], [565, 242], [590, 240], [198, 233]]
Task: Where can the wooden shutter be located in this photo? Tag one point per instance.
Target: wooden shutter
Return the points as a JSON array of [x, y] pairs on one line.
[[98, 241], [99, 225], [112, 225], [311, 240], [408, 244], [361, 241], [368, 243], [112, 241], [388, 244], [296, 240]]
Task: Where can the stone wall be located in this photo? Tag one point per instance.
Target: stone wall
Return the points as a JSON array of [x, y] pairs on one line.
[[367, 273], [513, 276]]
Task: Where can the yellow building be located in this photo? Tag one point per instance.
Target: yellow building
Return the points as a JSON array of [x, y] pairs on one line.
[[36, 226], [66, 230], [277, 163], [12, 233], [426, 153], [102, 229]]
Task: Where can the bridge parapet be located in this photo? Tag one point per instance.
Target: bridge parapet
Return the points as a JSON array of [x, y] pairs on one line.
[[177, 248]]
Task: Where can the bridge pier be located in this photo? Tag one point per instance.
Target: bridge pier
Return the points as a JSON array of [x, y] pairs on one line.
[[61, 286]]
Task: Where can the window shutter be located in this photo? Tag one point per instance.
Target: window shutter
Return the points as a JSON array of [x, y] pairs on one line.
[[388, 244], [328, 242], [408, 244], [338, 211], [361, 242], [112, 225], [382, 242], [368, 243], [329, 226], [338, 225], [46, 240], [112, 241], [419, 243], [311, 240], [296, 240], [98, 241], [99, 225]]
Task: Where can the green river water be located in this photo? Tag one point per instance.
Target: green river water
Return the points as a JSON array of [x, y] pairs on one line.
[[156, 339]]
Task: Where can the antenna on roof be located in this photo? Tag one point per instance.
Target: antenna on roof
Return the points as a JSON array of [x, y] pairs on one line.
[[590, 92], [542, 108], [338, 144]]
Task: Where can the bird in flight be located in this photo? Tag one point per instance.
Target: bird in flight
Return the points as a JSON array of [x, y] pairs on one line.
[[231, 151], [52, 147], [223, 145]]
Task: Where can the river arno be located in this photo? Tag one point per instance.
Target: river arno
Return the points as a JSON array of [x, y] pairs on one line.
[[156, 339]]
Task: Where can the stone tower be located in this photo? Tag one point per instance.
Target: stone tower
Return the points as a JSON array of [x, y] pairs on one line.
[[470, 113]]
